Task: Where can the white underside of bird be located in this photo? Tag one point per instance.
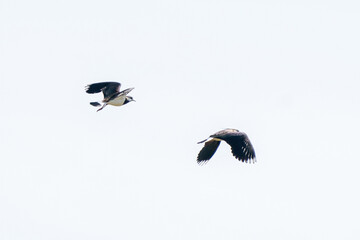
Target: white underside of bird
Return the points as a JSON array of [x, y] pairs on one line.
[[118, 101]]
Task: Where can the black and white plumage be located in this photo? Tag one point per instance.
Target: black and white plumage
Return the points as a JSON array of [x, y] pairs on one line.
[[112, 94], [239, 142]]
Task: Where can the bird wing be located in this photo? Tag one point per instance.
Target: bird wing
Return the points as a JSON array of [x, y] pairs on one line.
[[122, 93], [208, 151], [126, 91], [241, 147], [108, 88]]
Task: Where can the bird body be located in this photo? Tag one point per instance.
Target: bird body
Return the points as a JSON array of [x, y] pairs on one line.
[[111, 92], [118, 101], [241, 146]]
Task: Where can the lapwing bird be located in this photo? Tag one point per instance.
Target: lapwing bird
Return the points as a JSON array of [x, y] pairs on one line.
[[112, 94], [239, 142]]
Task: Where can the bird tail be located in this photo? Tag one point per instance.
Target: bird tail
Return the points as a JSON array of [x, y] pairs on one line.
[[95, 104]]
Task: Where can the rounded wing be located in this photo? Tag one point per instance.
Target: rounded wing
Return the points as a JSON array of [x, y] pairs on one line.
[[108, 88], [241, 147], [207, 151]]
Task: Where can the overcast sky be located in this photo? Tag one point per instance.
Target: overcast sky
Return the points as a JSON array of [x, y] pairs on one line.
[[285, 72]]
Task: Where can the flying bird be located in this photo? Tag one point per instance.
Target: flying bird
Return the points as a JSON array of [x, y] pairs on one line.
[[239, 142], [112, 94]]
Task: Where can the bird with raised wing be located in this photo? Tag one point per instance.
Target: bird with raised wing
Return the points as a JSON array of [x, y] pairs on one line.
[[111, 92], [239, 142]]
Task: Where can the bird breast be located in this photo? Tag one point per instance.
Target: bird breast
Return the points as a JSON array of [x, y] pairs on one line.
[[117, 101]]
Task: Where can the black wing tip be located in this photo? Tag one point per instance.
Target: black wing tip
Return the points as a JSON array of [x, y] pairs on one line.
[[202, 162], [248, 157], [201, 159], [99, 86], [247, 160], [92, 89]]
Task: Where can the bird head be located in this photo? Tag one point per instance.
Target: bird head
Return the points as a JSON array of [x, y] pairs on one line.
[[129, 99]]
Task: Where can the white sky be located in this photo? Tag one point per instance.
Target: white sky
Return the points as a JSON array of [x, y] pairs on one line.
[[286, 73]]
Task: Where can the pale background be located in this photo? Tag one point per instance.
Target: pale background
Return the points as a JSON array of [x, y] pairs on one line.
[[285, 72]]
